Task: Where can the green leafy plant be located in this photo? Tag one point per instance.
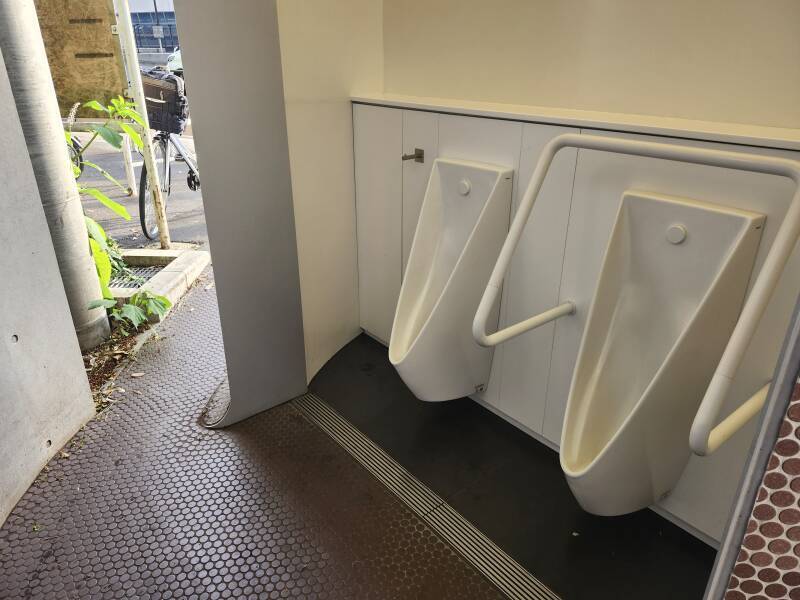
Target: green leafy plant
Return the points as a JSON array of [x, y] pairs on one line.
[[143, 305], [98, 242], [152, 304], [108, 259], [119, 114], [136, 312]]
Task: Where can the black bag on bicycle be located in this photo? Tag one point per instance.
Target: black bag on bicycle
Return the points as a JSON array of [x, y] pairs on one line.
[[165, 96]]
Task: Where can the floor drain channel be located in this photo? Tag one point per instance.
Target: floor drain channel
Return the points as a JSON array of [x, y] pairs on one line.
[[499, 568]]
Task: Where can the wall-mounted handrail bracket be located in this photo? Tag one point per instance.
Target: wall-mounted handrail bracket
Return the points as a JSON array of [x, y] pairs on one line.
[[503, 335], [704, 437]]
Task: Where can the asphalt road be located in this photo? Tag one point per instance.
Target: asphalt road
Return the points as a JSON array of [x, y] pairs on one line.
[[184, 209]]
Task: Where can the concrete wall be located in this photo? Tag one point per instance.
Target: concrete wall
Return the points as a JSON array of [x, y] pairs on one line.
[[328, 49], [239, 125], [718, 60], [44, 393]]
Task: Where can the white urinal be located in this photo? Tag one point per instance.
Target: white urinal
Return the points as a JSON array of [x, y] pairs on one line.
[[462, 225], [672, 285]]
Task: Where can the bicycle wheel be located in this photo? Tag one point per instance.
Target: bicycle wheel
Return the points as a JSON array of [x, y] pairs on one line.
[[76, 155], [147, 211]]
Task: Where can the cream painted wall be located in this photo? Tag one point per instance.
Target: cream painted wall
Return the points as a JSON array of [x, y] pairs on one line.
[[716, 60], [328, 50]]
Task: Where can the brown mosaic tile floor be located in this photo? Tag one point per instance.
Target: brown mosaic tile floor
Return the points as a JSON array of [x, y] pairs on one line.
[[768, 565], [151, 505]]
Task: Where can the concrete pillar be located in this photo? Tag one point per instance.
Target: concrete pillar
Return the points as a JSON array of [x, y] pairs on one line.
[[36, 104]]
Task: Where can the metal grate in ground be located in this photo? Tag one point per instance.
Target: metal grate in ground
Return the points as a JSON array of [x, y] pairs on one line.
[[146, 503], [135, 278]]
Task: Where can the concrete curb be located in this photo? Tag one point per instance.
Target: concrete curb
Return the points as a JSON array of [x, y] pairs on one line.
[[181, 269]]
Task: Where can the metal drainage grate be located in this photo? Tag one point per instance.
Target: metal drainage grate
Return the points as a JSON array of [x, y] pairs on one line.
[[135, 278], [497, 566]]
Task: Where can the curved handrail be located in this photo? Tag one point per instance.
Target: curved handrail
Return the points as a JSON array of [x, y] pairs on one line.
[[755, 305]]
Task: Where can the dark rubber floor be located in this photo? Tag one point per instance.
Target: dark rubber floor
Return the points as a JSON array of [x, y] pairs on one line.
[[147, 504], [512, 488]]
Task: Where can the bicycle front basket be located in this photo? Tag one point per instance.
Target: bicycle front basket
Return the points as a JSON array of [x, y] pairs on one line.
[[167, 108]]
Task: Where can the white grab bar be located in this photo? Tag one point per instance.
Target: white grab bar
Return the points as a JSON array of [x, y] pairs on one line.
[[498, 337], [753, 309], [736, 420]]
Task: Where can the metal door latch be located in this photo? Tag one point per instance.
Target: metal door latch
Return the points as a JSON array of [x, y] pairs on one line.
[[418, 156]]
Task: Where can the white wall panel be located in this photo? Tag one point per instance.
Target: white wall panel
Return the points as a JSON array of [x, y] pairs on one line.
[[420, 130], [485, 140], [491, 141], [247, 196], [533, 281], [559, 258], [378, 143]]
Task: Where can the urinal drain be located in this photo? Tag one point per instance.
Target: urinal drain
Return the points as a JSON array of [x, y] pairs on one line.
[[503, 571]]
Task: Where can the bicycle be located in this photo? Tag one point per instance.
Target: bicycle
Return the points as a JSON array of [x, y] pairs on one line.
[[75, 150], [166, 148], [167, 111]]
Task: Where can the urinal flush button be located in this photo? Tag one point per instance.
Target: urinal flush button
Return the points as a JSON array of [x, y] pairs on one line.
[[676, 234], [464, 187]]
